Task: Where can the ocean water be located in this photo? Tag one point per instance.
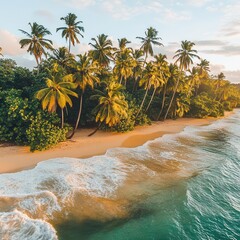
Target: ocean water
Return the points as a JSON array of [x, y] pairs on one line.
[[181, 186]]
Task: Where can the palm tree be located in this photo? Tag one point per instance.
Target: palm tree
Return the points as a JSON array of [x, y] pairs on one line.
[[138, 65], [72, 30], [1, 52], [122, 43], [149, 77], [149, 40], [57, 92], [161, 70], [85, 75], [112, 106], [204, 68], [62, 57], [124, 64], [221, 76], [193, 79], [102, 51], [185, 57], [36, 42]]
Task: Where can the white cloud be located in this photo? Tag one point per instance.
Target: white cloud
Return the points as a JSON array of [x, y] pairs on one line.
[[171, 15], [10, 44], [80, 4], [198, 3], [119, 9]]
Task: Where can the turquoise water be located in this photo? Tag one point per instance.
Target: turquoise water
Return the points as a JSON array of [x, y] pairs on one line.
[[204, 206], [180, 186]]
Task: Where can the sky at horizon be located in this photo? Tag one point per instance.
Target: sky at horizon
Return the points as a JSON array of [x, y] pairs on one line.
[[213, 25]]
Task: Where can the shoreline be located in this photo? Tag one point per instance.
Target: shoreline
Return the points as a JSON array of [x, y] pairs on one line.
[[18, 158]]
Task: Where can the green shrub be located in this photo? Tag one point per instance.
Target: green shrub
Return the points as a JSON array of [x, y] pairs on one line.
[[23, 122], [203, 106], [43, 132]]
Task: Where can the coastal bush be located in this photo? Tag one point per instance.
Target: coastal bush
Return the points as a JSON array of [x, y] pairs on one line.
[[24, 123], [203, 106], [44, 133]]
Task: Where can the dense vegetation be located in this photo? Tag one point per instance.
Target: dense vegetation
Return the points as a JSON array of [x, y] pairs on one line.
[[112, 88]]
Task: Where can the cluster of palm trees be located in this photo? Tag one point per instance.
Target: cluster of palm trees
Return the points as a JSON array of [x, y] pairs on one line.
[[117, 69]]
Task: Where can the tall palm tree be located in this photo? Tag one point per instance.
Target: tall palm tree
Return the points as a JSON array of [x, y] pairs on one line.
[[62, 57], [36, 42], [184, 57], [163, 68], [102, 50], [149, 40], [160, 80], [72, 29], [112, 106], [85, 75], [57, 92]]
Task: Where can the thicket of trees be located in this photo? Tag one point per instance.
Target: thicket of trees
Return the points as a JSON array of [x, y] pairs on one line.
[[110, 88]]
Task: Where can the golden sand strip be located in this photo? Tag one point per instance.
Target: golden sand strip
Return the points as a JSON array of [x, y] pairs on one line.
[[16, 158]]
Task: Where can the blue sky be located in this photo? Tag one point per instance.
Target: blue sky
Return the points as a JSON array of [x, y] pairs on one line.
[[214, 25]]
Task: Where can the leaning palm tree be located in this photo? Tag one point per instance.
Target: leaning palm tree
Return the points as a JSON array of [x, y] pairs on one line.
[[85, 75], [102, 50], [36, 42], [112, 106], [150, 77], [72, 29], [162, 65], [149, 40], [57, 92], [184, 57]]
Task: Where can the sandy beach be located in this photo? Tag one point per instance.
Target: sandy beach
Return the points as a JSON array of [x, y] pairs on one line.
[[16, 158]]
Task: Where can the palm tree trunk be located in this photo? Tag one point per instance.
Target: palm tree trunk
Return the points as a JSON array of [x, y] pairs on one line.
[[163, 101], [145, 60], [144, 98], [69, 45], [135, 83], [121, 79], [78, 118], [153, 94], [170, 104], [95, 130], [37, 64], [62, 124]]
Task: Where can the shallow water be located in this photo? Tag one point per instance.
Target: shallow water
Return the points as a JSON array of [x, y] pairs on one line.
[[181, 186]]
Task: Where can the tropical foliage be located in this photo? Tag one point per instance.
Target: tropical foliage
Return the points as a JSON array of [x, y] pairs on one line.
[[111, 88]]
